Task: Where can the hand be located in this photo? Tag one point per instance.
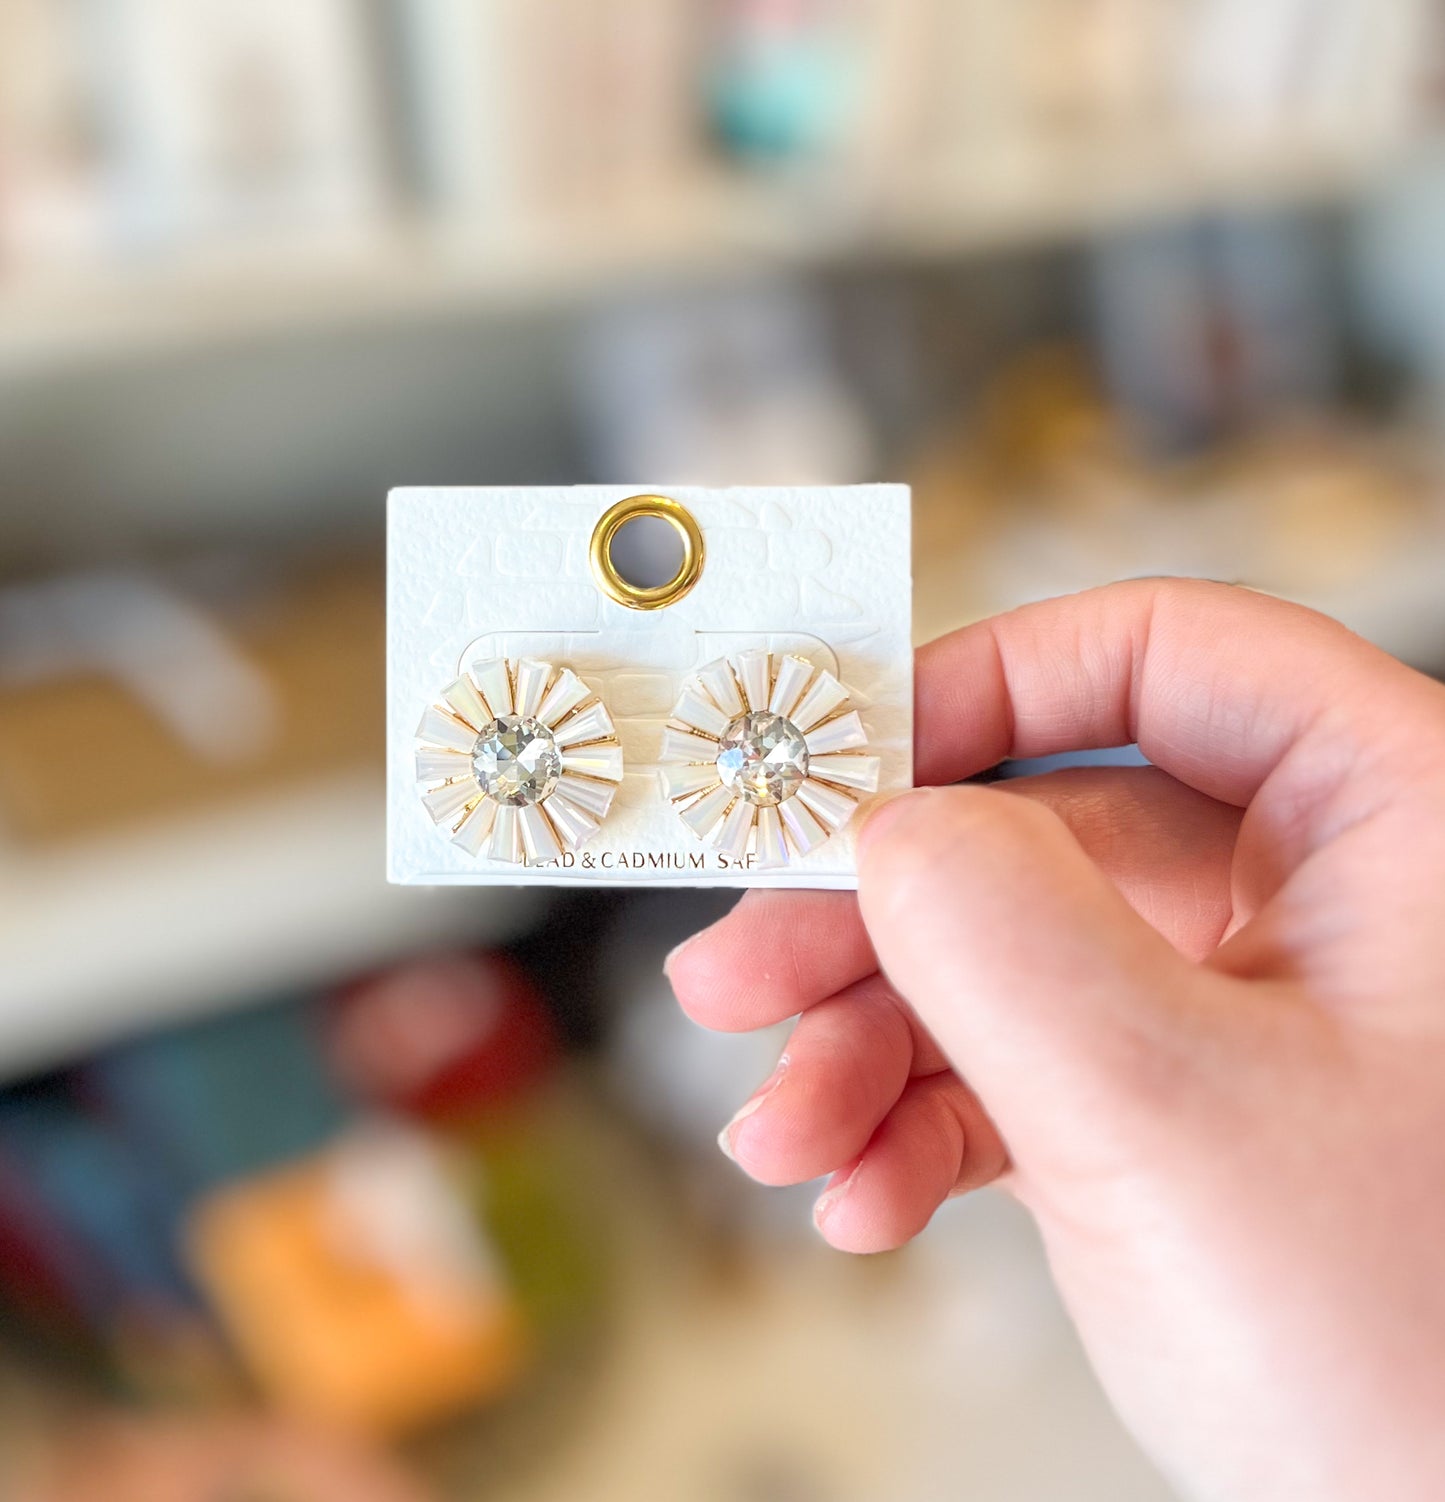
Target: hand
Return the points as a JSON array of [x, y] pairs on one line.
[[1192, 1015]]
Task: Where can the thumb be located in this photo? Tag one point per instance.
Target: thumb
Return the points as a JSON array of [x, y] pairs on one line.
[[1049, 994]]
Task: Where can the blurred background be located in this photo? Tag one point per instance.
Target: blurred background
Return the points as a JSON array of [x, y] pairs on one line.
[[311, 1189]]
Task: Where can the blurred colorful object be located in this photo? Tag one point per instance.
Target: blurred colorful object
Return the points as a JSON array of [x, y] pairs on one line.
[[442, 1036], [357, 1287], [781, 80], [216, 1179], [112, 1459], [465, 1041], [224, 1097], [89, 1209]]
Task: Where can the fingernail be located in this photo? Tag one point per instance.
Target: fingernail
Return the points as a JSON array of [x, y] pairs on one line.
[[834, 1194], [676, 950], [882, 819], [725, 1137]]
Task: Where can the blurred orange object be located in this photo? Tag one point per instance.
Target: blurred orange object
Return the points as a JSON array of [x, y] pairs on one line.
[[357, 1287]]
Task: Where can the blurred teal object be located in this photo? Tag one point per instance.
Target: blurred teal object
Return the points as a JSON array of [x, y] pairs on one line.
[[112, 1214], [227, 1096], [783, 82]]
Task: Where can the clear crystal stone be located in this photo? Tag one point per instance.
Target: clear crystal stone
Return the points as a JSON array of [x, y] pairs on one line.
[[516, 760], [763, 757]]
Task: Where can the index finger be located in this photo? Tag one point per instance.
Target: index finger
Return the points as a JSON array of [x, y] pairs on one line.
[[1216, 684]]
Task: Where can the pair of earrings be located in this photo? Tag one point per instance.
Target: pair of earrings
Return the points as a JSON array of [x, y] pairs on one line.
[[763, 756]]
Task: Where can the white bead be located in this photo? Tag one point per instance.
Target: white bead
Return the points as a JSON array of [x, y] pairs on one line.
[[590, 724], [692, 709], [805, 832], [702, 815], [438, 728], [861, 772], [794, 675], [684, 782], [754, 672], [736, 830], [604, 761], [562, 698], [832, 807], [824, 696], [574, 825], [680, 745], [451, 798], [721, 686], [771, 851], [539, 839], [495, 685], [467, 702], [506, 835], [441, 766], [476, 828], [531, 684], [595, 797], [846, 733]]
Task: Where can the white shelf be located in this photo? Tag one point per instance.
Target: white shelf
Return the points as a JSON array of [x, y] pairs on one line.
[[404, 272], [720, 225], [990, 202], [101, 938], [1393, 598]]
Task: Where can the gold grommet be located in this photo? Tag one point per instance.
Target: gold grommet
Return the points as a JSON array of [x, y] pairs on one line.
[[613, 585]]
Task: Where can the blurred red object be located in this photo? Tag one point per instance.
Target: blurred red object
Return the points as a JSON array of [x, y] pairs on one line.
[[442, 1036]]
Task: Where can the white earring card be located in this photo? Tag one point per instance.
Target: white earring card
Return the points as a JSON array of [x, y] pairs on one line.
[[760, 715]]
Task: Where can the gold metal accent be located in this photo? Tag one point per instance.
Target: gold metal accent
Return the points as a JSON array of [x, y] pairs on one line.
[[613, 585]]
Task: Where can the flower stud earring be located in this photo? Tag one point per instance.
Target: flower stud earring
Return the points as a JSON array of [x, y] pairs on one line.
[[519, 761], [766, 757]]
